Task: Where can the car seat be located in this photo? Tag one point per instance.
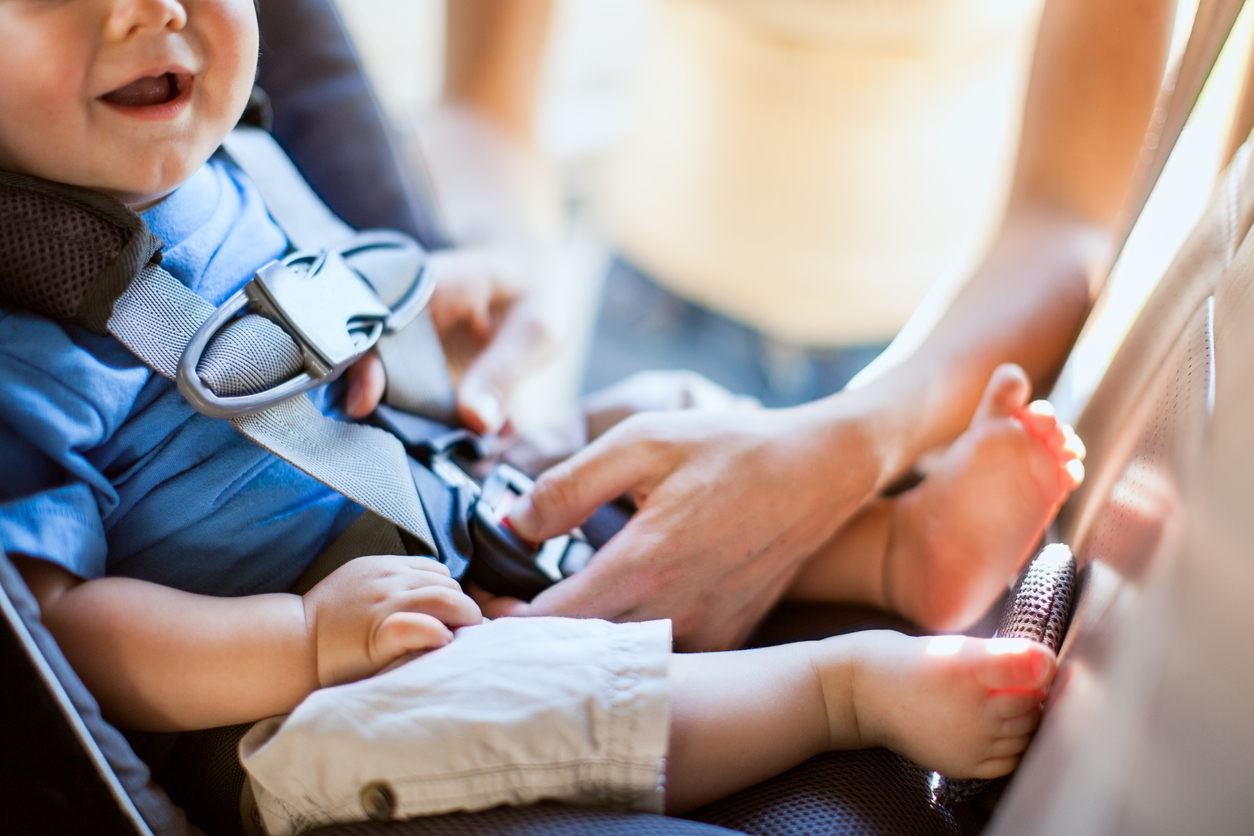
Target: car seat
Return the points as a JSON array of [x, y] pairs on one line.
[[1145, 731]]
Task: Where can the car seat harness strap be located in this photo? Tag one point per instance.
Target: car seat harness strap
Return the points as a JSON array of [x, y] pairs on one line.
[[82, 258]]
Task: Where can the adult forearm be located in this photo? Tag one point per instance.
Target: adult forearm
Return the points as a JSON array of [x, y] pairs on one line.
[[494, 57], [160, 659], [1025, 305], [1094, 80]]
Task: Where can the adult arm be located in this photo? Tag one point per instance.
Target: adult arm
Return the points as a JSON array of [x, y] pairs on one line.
[[497, 310], [731, 504]]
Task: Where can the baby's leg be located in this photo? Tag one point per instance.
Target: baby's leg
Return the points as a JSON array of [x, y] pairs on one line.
[[965, 707], [940, 552]]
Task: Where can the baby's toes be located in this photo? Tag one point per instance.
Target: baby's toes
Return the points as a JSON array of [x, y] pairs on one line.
[[1038, 418], [1013, 665], [1021, 723], [1007, 391], [1073, 446], [996, 767], [1008, 747], [1071, 473]]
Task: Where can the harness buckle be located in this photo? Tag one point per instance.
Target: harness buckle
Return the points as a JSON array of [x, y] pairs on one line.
[[328, 302], [504, 563]]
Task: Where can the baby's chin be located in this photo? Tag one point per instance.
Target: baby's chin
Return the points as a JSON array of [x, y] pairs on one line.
[[142, 186]]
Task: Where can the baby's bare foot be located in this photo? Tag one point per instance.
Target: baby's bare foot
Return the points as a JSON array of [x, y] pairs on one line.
[[962, 534], [964, 707]]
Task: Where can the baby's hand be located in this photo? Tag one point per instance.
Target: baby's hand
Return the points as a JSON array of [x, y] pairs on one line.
[[373, 610]]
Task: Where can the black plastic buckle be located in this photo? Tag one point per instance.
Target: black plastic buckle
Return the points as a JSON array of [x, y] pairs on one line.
[[504, 563], [500, 561]]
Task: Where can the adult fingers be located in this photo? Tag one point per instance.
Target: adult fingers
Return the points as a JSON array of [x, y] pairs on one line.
[[404, 632], [605, 588], [632, 573], [463, 294], [567, 493], [523, 341], [366, 382]]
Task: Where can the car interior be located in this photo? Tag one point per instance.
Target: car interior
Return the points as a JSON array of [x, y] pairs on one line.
[[1147, 728]]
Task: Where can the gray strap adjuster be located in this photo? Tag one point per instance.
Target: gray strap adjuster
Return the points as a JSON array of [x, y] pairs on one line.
[[327, 303]]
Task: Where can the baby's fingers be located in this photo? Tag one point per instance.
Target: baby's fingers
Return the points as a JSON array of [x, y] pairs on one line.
[[405, 632], [451, 606]]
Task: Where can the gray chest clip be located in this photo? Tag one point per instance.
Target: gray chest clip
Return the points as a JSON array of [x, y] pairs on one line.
[[329, 302]]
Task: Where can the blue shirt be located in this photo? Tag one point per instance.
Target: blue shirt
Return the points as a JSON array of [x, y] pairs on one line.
[[106, 469]]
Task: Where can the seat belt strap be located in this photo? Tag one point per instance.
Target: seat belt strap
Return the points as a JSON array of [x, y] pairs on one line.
[[308, 223], [417, 373], [157, 315]]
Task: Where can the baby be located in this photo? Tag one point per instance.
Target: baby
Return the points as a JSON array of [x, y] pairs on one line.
[[160, 542]]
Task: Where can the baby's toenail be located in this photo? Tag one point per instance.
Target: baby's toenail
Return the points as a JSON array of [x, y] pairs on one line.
[[1040, 665], [1073, 442], [1075, 469], [997, 647], [1043, 408], [945, 645]]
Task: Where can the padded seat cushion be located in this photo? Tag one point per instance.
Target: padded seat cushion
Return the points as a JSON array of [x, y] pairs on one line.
[[871, 791], [51, 782], [536, 820]]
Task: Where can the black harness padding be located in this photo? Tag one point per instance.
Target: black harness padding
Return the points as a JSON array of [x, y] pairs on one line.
[[68, 253]]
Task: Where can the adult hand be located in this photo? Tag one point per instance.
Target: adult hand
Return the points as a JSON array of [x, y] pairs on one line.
[[730, 503], [494, 327]]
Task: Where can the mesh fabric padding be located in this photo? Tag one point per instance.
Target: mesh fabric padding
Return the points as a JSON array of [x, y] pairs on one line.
[[1041, 603], [871, 792], [203, 776], [536, 820], [58, 246], [1038, 609], [67, 252]]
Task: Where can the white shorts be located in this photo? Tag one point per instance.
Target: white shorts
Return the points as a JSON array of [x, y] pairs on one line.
[[513, 711]]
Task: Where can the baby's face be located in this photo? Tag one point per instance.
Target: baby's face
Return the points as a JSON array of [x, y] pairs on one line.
[[126, 97]]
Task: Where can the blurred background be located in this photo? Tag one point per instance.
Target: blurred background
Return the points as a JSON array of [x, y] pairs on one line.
[[593, 144]]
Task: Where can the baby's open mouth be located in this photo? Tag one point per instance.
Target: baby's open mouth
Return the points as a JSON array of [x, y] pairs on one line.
[[149, 91]]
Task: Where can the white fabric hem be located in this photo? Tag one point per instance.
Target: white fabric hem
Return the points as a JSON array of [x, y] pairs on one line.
[[513, 711]]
